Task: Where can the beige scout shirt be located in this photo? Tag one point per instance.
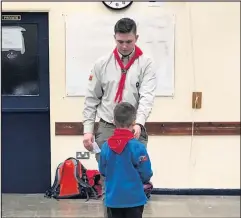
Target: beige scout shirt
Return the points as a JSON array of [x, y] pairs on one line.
[[139, 89]]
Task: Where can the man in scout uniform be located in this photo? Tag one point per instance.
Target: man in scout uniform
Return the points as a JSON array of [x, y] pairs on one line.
[[124, 75]]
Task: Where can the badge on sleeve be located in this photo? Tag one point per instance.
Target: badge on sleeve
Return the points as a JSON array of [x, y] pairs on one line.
[[90, 77], [143, 158]]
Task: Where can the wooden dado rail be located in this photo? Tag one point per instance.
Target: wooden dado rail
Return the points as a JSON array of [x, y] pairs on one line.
[[163, 128]]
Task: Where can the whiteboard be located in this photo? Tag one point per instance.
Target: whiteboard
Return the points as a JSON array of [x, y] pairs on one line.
[[89, 37]]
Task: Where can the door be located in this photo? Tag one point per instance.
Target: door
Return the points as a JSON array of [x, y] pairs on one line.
[[25, 149]]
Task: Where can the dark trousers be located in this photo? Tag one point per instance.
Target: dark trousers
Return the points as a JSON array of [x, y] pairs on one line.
[[131, 212]]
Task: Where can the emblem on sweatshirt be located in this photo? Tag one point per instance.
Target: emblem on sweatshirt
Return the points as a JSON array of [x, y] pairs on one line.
[[143, 158]]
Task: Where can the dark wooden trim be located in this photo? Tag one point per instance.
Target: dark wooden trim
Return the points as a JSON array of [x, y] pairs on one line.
[[164, 128]]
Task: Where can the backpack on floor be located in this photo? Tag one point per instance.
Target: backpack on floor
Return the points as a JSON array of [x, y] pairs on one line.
[[73, 180]]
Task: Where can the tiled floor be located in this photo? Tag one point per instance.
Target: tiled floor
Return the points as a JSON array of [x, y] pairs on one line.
[[158, 206]]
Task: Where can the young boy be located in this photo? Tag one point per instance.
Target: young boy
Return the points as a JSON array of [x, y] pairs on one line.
[[125, 164]]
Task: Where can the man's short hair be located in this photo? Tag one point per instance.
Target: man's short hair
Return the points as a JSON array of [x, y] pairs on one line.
[[124, 115], [125, 25]]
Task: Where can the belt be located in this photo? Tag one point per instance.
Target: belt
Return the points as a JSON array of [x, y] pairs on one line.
[[103, 121]]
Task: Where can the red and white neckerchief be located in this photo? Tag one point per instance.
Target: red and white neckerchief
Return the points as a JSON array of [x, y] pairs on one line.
[[124, 69]]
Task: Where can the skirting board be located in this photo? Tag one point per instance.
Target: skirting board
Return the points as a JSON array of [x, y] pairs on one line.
[[220, 192]]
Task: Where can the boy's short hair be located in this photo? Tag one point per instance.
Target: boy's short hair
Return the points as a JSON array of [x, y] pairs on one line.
[[124, 115]]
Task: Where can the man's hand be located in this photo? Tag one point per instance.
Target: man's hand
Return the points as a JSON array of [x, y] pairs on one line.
[[88, 140], [137, 131]]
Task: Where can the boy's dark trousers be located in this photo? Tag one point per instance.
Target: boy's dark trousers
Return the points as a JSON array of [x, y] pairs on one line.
[[131, 212]]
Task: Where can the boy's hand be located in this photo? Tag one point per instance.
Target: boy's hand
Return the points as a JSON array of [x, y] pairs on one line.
[[137, 131]]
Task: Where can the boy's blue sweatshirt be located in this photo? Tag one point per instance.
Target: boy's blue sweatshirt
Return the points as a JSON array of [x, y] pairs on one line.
[[125, 164]]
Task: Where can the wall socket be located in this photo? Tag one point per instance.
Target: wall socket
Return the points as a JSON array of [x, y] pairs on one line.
[[83, 155], [196, 100]]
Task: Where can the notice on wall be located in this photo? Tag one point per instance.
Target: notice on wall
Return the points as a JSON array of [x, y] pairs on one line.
[[12, 39], [90, 37]]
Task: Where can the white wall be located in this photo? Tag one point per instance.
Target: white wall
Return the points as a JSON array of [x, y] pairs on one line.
[[211, 66]]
